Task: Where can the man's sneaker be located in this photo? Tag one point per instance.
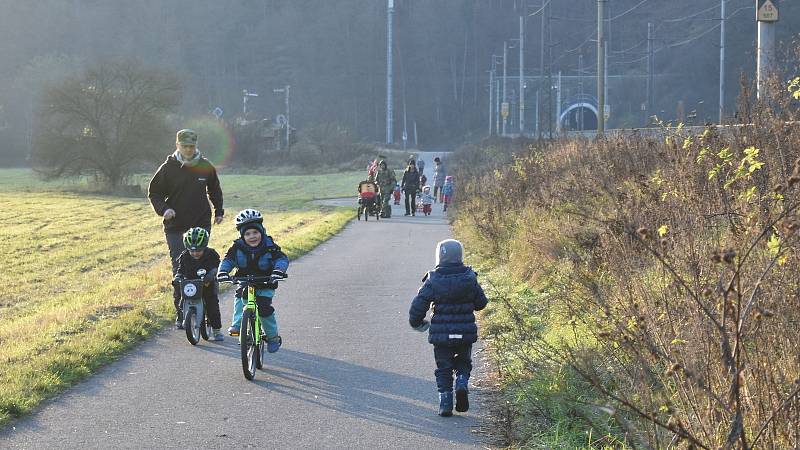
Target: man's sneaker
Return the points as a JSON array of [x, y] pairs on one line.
[[446, 404], [179, 320], [233, 331], [462, 394], [217, 335], [273, 344]]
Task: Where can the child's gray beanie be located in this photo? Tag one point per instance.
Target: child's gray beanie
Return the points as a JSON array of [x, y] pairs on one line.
[[449, 251]]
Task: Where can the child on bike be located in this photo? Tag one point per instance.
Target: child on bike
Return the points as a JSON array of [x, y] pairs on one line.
[[454, 290], [255, 253], [198, 255]]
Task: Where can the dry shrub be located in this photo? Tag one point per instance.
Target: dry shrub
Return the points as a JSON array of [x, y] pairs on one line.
[[683, 250]]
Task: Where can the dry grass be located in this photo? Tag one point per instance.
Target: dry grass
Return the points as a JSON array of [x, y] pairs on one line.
[[673, 260], [88, 275]]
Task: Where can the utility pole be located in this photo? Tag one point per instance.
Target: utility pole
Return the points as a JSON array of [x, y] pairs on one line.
[[539, 125], [580, 92], [497, 107], [767, 15], [601, 64], [389, 122], [558, 106], [491, 96], [246, 94], [522, 73], [416, 142], [285, 91], [721, 61], [650, 68], [505, 97]]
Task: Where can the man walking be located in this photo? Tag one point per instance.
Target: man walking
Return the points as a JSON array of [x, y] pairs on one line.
[[180, 191], [385, 179]]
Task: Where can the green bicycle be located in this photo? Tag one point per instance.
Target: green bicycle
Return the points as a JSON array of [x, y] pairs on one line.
[[252, 341]]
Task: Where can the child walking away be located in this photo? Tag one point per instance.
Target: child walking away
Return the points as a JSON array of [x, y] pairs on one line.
[[198, 255], [397, 193], [454, 290], [427, 200], [447, 191], [255, 253]]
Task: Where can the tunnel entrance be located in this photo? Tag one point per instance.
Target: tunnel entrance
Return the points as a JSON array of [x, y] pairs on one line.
[[579, 116]]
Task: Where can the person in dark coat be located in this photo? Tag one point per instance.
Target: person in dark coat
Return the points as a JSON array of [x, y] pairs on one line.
[[180, 190], [410, 186], [455, 293]]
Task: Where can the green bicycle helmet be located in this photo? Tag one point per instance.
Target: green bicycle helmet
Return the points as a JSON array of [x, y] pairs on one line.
[[195, 238]]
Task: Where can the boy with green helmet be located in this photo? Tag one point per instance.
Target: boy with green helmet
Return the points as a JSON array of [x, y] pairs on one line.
[[198, 255]]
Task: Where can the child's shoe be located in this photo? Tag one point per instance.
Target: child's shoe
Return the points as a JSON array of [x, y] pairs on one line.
[[462, 393], [273, 344], [233, 331], [217, 335], [446, 404]]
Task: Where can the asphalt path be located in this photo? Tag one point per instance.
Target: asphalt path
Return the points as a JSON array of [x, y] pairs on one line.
[[351, 372]]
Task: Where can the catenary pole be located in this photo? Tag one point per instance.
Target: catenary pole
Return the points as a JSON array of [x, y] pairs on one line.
[[389, 105], [601, 63], [721, 61], [505, 80], [522, 73], [766, 44]]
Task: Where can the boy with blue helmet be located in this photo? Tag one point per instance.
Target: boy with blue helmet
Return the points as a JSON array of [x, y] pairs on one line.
[[255, 253], [455, 293]]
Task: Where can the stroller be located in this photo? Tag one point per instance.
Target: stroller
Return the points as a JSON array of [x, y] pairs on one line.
[[369, 200]]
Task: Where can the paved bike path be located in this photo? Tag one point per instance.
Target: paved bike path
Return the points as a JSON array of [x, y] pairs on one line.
[[351, 373]]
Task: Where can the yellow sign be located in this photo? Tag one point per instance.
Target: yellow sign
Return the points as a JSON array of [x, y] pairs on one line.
[[766, 11], [504, 109]]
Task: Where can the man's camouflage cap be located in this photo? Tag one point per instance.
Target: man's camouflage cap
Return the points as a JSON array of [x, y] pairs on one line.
[[186, 137]]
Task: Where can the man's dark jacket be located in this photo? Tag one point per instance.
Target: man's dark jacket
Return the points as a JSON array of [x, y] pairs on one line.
[[456, 295], [410, 183], [186, 190]]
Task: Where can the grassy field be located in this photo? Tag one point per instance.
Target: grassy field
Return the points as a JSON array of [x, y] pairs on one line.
[[88, 274]]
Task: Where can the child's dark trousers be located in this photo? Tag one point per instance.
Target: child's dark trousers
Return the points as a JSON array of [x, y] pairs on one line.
[[448, 359]]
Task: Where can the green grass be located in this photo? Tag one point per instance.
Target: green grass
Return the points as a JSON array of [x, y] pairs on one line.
[[89, 274], [548, 402]]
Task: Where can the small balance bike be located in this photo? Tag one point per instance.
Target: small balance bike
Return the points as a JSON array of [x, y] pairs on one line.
[[194, 308]]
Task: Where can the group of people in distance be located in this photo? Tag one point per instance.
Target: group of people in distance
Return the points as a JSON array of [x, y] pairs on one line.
[[180, 192], [414, 184]]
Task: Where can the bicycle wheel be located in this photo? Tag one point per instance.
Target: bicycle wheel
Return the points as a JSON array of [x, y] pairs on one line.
[[190, 324], [205, 329], [261, 348], [248, 345]]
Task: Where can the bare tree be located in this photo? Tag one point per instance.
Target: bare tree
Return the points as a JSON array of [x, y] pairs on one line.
[[105, 123]]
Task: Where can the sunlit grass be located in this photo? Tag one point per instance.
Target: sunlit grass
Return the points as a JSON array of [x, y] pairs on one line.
[[88, 275]]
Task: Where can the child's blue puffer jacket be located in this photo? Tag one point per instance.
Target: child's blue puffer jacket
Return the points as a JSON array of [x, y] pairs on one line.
[[456, 294], [261, 260]]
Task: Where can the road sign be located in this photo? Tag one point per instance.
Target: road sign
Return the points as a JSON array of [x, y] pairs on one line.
[[217, 112], [606, 111], [504, 109], [280, 119], [766, 11]]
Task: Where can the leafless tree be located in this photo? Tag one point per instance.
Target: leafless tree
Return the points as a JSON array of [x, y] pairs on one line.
[[106, 122]]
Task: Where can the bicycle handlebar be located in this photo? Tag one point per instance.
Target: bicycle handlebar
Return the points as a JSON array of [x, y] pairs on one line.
[[254, 279]]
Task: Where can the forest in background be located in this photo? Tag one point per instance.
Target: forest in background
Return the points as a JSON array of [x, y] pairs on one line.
[[333, 54]]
